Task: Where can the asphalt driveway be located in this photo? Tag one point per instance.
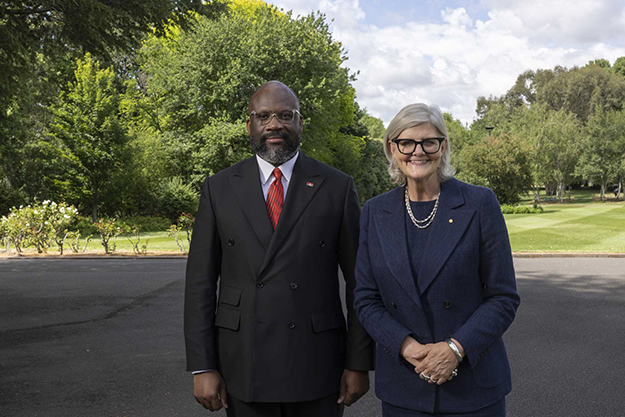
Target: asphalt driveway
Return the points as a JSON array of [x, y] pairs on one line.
[[103, 337]]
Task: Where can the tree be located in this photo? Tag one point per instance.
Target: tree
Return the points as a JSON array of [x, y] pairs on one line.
[[603, 144], [375, 126], [555, 138], [582, 90], [619, 66], [197, 83], [88, 135], [29, 29], [502, 163]]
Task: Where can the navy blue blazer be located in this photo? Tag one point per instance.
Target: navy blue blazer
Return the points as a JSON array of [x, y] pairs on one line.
[[466, 289]]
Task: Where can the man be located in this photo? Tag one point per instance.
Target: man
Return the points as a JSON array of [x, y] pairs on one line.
[[276, 343]]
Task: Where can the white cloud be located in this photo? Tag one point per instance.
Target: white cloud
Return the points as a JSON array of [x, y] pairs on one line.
[[452, 61]]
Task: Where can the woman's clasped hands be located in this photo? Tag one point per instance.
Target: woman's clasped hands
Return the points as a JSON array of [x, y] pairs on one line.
[[435, 363]]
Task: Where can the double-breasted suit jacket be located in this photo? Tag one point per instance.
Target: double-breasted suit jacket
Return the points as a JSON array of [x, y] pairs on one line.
[[277, 332], [465, 289]]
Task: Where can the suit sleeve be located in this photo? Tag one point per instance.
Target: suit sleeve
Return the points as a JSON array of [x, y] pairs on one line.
[[373, 314], [501, 300], [203, 266], [359, 345]]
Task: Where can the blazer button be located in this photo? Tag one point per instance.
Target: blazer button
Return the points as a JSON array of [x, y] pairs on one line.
[[394, 305], [446, 303], [259, 284], [322, 243], [291, 325], [485, 286], [230, 242], [293, 285]]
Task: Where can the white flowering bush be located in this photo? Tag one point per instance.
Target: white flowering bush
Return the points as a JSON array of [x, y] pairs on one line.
[[38, 225]]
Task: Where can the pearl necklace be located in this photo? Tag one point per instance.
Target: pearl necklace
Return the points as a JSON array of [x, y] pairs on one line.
[[428, 220]]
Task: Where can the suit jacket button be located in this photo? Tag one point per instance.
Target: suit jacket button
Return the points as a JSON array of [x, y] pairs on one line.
[[322, 243], [447, 304], [230, 242], [291, 325], [259, 284], [394, 305], [293, 285]]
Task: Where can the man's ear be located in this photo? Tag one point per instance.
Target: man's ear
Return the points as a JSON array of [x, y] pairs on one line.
[[247, 125]]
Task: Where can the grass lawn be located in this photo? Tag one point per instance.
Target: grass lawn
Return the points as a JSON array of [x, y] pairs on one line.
[[581, 224], [570, 227], [157, 242]]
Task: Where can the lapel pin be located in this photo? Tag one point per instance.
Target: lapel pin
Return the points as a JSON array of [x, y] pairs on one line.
[[310, 184], [451, 220]]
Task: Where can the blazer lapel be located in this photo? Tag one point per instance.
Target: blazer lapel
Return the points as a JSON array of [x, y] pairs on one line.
[[298, 197], [249, 192], [391, 228], [447, 229]]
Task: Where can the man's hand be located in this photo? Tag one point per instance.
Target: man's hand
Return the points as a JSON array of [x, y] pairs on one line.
[[412, 351], [209, 389], [354, 384]]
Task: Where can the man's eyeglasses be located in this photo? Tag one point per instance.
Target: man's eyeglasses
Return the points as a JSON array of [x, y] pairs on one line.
[[284, 116], [408, 146]]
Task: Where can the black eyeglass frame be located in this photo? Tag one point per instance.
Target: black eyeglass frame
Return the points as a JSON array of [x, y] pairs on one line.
[[275, 114], [418, 142]]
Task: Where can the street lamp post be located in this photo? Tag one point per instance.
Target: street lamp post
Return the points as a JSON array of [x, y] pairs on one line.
[[490, 129]]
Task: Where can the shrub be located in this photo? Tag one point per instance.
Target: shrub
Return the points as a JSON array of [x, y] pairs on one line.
[[508, 209], [176, 197], [146, 224]]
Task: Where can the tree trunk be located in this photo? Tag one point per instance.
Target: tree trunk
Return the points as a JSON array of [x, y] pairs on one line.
[[603, 192]]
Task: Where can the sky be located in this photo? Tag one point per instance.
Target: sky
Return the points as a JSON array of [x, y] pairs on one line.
[[449, 52]]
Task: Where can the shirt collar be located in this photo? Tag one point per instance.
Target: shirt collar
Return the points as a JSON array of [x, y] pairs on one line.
[[266, 169]]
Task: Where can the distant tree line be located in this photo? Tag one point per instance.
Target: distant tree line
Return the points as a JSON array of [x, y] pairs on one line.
[[553, 128]]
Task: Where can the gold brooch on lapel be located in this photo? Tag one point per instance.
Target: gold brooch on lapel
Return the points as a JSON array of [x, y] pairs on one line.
[[310, 184], [451, 221]]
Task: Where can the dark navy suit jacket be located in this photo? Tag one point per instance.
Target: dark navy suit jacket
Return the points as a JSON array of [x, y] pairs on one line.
[[465, 289]]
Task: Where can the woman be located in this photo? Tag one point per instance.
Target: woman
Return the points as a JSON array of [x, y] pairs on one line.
[[435, 280]]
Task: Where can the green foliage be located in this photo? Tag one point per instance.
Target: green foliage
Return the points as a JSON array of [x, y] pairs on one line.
[[372, 176], [217, 146], [145, 224], [503, 164], [374, 125], [198, 83], [38, 225], [603, 142], [88, 135], [582, 90], [508, 209], [176, 197], [48, 29], [108, 228], [185, 224]]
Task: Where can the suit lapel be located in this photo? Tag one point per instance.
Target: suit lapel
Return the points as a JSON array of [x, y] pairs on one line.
[[391, 228], [299, 195], [447, 229], [249, 192]]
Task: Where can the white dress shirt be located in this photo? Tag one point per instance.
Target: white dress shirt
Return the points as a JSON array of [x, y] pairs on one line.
[[266, 173]]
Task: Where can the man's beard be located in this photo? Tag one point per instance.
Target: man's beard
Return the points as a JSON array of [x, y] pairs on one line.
[[276, 155]]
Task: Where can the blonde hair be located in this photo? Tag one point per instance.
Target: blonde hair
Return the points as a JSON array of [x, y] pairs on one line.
[[410, 116]]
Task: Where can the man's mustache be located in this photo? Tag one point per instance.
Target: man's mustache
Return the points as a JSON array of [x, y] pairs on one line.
[[277, 134]]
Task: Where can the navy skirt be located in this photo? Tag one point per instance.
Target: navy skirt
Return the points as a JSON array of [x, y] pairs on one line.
[[495, 410]]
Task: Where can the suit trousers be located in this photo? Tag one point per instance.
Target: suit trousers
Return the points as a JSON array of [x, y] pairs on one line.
[[326, 407]]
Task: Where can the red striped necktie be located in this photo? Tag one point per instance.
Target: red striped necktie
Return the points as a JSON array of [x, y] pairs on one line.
[[275, 198]]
